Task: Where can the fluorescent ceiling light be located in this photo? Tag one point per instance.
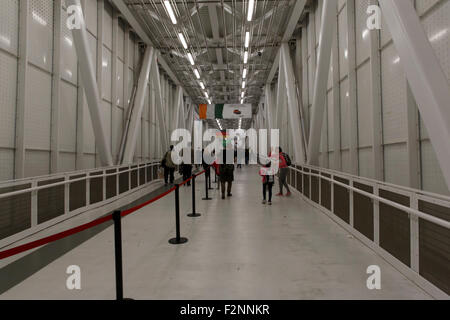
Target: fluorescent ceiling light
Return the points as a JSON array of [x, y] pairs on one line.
[[243, 84], [170, 11], [202, 85], [197, 74], [243, 94], [242, 101], [191, 60], [183, 40], [206, 94], [247, 39], [244, 74], [251, 8], [209, 101], [245, 57]]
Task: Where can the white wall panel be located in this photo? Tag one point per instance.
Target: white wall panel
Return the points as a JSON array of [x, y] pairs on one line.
[[121, 40], [119, 83], [117, 124], [396, 164], [40, 38], [68, 118], [106, 119], [346, 165], [88, 131], [69, 61], [330, 121], [8, 94], [107, 25], [343, 44], [9, 25], [394, 96], [362, 33], [345, 115], [107, 74], [366, 164], [37, 163], [38, 110], [6, 164], [67, 162], [432, 178], [365, 113], [91, 16]]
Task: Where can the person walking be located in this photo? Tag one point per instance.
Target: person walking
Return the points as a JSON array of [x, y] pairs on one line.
[[284, 162], [226, 176], [268, 180], [169, 167]]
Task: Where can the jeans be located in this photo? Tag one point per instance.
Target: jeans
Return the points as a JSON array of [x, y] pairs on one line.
[[169, 172], [267, 187], [282, 179], [222, 183]]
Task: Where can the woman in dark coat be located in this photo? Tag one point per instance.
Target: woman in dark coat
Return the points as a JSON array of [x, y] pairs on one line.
[[226, 175]]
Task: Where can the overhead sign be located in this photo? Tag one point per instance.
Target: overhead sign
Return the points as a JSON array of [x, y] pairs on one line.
[[225, 111]]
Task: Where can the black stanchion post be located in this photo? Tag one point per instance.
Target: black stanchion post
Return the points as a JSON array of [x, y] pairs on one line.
[[206, 189], [118, 254], [178, 239], [193, 214], [209, 178]]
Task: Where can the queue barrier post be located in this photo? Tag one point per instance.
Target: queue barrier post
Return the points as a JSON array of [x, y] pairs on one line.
[[117, 218], [193, 214], [206, 189], [178, 239], [208, 170]]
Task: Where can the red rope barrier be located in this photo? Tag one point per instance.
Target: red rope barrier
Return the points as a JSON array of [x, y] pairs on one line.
[[64, 234], [52, 238]]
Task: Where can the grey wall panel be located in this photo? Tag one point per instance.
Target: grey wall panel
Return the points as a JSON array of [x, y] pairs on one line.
[[363, 211], [395, 227], [341, 200], [15, 212], [50, 201], [434, 247]]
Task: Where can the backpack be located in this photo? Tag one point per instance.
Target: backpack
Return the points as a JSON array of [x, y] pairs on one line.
[[288, 160]]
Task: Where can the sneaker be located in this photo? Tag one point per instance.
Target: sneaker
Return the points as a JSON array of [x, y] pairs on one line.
[[264, 202], [229, 195], [279, 195], [223, 196], [288, 194], [270, 203]]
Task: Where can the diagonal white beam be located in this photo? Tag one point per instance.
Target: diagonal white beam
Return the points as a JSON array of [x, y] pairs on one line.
[[87, 70], [426, 78], [320, 83], [156, 80], [136, 115], [293, 111]]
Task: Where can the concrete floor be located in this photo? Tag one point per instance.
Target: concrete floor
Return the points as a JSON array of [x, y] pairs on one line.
[[237, 249]]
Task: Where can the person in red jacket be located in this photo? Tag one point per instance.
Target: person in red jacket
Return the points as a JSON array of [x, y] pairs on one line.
[[283, 172]]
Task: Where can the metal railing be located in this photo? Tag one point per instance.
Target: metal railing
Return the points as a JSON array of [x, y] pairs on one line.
[[412, 226], [32, 204]]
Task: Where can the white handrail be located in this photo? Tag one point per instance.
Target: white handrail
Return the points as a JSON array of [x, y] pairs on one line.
[[425, 216], [56, 184]]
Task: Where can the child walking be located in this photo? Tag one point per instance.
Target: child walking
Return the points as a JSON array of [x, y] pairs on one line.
[[268, 181]]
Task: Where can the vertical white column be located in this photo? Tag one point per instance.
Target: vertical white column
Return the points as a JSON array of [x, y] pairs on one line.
[[375, 74], [156, 80], [56, 88], [352, 82], [413, 139], [337, 160], [19, 157], [114, 94]]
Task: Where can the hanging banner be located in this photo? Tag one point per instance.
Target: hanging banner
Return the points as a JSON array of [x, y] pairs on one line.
[[225, 111]]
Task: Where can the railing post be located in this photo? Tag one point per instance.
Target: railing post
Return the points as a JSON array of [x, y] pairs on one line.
[[206, 189], [178, 239], [118, 253], [414, 233], [193, 214]]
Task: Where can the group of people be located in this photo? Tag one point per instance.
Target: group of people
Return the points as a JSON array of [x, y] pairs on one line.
[[225, 172]]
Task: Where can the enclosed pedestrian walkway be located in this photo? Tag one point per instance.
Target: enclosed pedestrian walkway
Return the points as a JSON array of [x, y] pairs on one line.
[[237, 249]]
